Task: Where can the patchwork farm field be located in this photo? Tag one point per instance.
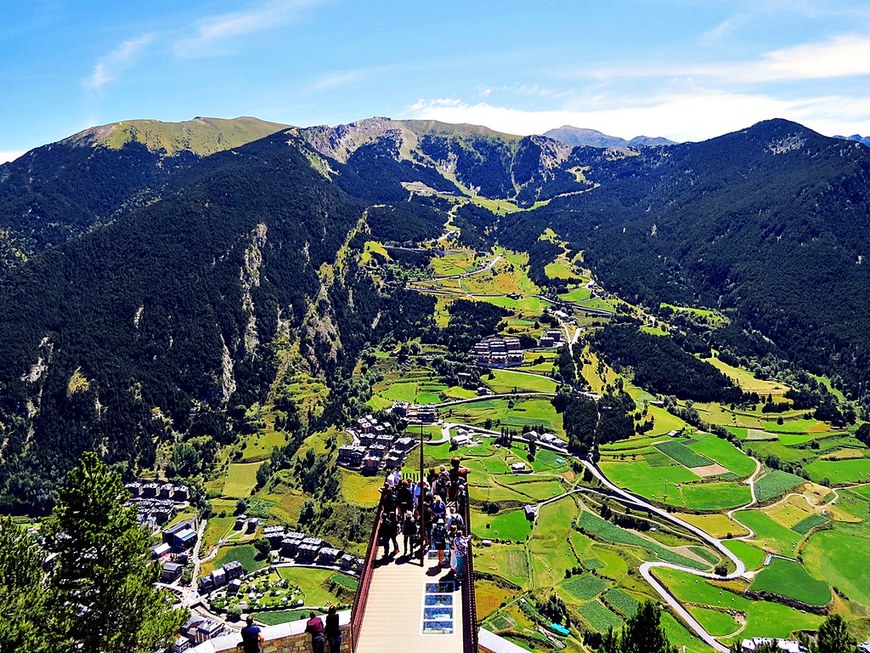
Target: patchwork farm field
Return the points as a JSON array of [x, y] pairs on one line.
[[590, 562], [790, 579]]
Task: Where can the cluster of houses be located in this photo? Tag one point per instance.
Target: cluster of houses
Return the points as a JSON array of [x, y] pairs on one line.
[[550, 440], [303, 549], [498, 352], [155, 502], [173, 551], [551, 338], [195, 631], [415, 414], [507, 352], [306, 549], [375, 446], [227, 574], [178, 538]]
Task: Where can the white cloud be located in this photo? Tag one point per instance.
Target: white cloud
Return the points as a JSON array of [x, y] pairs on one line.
[[846, 55], [7, 156], [681, 117], [211, 31], [118, 60], [841, 56]]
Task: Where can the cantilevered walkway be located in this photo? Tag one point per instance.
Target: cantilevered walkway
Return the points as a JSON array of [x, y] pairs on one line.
[[403, 605], [419, 608]]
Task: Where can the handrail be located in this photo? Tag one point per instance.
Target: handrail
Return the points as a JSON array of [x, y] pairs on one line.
[[469, 601], [365, 581]]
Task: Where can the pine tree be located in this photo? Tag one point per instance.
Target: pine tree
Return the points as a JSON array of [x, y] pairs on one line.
[[101, 588], [23, 616], [643, 633], [833, 637]]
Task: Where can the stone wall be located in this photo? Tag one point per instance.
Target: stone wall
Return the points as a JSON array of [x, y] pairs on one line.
[[283, 638]]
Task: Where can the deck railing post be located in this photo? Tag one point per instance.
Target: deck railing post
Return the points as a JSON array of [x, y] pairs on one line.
[[469, 602], [365, 581]]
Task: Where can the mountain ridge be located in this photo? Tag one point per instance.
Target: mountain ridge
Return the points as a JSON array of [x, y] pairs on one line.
[[575, 136], [185, 290], [201, 135]]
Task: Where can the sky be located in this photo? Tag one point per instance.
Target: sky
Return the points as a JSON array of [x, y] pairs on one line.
[[683, 69]]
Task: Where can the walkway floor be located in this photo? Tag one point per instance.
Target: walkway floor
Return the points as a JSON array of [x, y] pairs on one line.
[[406, 599]]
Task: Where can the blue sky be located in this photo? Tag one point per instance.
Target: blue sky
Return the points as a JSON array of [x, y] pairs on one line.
[[685, 69]]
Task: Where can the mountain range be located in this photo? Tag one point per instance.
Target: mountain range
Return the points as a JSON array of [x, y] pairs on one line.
[[160, 281], [593, 138]]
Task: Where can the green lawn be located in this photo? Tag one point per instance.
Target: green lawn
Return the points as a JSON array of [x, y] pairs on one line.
[[657, 483], [314, 584], [768, 533], [510, 525], [763, 618], [843, 559], [856, 470], [724, 453], [241, 480], [716, 496], [549, 549], [508, 381], [752, 556], [715, 622], [775, 483], [796, 426], [791, 580], [510, 561], [681, 637], [580, 294], [245, 553], [403, 391]]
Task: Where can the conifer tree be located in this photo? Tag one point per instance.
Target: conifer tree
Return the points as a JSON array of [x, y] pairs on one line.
[[23, 616], [643, 633], [833, 637], [101, 588]]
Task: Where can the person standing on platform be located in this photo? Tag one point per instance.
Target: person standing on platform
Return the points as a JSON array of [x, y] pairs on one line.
[[315, 628], [333, 630]]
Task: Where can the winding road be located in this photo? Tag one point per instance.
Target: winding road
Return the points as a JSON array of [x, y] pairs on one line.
[[647, 568]]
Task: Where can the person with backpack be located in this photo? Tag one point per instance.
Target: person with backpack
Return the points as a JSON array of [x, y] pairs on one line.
[[389, 529], [409, 530], [439, 540], [315, 627], [459, 553]]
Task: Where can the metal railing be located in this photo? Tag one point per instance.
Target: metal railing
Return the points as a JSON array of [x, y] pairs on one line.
[[365, 582], [469, 602]]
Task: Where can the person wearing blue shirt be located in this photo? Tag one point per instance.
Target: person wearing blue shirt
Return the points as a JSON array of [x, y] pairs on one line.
[[251, 636]]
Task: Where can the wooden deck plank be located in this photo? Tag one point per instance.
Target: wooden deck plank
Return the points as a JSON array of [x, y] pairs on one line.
[[394, 611]]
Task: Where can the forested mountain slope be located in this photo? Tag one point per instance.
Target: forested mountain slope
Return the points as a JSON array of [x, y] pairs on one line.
[[62, 190], [772, 222], [161, 321], [160, 297]]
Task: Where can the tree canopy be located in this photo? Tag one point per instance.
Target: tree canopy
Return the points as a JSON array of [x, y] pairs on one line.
[[101, 589]]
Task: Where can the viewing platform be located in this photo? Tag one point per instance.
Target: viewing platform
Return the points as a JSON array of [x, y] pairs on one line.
[[418, 606]]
